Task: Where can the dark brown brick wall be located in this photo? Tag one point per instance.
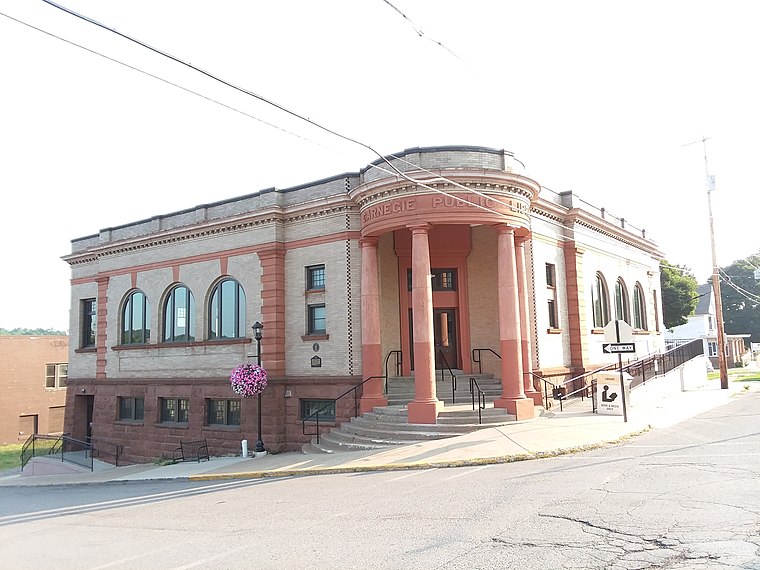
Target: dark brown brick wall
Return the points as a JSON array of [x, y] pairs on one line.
[[143, 442]]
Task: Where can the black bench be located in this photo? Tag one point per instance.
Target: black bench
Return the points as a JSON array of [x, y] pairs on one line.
[[192, 451]]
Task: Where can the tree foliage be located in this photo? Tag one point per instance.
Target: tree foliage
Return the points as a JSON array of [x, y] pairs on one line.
[[679, 294], [31, 332], [740, 294]]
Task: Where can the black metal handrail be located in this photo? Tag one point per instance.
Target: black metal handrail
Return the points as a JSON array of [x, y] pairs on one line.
[[659, 364], [334, 402], [481, 398], [99, 451], [70, 449], [477, 360], [453, 377], [399, 365]]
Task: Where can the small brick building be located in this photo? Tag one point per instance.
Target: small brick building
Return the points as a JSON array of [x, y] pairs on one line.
[[418, 260], [33, 372]]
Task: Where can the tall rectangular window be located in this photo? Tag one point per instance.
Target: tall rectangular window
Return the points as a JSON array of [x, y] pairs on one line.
[[131, 408], [56, 375], [223, 412], [551, 275], [551, 295], [326, 410], [712, 349], [174, 409], [89, 323], [315, 277], [552, 307], [317, 317]]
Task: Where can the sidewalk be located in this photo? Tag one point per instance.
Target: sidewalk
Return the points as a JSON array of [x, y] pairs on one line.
[[659, 404]]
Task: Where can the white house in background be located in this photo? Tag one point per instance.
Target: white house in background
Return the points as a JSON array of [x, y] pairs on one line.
[[704, 324]]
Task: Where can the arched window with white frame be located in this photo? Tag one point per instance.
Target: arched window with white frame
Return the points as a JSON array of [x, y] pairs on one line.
[[600, 302], [226, 313], [639, 308], [179, 315], [622, 307], [135, 319]]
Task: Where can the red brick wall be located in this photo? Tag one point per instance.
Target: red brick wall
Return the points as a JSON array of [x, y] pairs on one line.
[[22, 383]]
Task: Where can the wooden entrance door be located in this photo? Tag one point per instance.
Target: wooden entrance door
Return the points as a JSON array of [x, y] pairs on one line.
[[445, 335]]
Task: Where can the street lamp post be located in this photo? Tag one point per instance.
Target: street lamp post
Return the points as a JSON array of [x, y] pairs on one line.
[[257, 327]]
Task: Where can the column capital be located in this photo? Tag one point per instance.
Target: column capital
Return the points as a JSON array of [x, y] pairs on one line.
[[422, 227], [522, 238], [369, 241], [505, 229]]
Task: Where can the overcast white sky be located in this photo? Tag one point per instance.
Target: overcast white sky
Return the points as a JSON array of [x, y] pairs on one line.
[[594, 97]]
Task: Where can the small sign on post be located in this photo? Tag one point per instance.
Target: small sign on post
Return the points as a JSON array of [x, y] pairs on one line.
[[619, 337]]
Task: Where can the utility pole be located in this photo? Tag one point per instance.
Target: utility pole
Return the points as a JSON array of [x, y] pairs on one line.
[[710, 182]]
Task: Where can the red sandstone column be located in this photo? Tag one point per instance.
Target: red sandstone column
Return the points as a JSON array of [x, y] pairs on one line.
[[513, 396], [424, 409], [522, 286], [371, 354], [273, 309]]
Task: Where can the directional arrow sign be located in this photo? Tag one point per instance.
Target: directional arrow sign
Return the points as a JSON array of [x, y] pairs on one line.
[[617, 347]]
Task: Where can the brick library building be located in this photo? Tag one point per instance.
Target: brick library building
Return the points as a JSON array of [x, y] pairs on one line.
[[431, 260]]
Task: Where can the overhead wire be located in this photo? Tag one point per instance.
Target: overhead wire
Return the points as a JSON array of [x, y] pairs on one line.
[[394, 171], [159, 78], [726, 278], [418, 31]]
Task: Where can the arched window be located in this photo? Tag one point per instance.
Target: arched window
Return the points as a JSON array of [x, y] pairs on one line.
[[135, 319], [179, 315], [622, 308], [600, 302], [639, 308], [226, 316]]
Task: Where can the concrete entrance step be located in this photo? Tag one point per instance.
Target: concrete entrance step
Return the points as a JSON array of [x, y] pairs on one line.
[[387, 426]]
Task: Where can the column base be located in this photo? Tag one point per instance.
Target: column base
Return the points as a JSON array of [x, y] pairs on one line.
[[537, 397], [367, 403], [423, 412], [521, 408]]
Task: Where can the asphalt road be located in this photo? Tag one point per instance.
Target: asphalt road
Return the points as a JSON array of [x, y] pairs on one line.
[[676, 498]]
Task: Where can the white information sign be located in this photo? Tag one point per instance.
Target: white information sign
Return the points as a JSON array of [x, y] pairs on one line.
[[618, 331]]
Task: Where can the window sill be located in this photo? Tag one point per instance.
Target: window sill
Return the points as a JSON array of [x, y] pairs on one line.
[[172, 425], [641, 331], [87, 350], [553, 331], [220, 427], [129, 422], [220, 342], [311, 337], [597, 331], [315, 290]]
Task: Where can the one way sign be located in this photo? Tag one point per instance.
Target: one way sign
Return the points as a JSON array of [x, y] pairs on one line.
[[617, 347]]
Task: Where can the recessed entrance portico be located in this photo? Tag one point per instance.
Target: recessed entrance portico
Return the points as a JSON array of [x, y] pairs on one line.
[[432, 244]]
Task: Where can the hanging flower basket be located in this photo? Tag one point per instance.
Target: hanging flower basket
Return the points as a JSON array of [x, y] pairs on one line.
[[248, 380]]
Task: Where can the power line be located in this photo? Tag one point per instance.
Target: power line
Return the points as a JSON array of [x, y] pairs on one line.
[[92, 51], [418, 31], [394, 170], [743, 292]]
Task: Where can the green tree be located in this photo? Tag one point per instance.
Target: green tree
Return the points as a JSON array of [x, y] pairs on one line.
[[740, 293], [31, 332], [679, 294]]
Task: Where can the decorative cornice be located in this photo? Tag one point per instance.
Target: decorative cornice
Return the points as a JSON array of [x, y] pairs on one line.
[[206, 229]]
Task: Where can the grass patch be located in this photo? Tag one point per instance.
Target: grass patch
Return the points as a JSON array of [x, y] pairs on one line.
[[10, 456], [737, 375]]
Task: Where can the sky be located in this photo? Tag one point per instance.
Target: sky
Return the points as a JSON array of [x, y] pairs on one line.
[[601, 98]]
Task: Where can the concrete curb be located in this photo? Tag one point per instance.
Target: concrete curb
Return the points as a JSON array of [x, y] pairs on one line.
[[474, 462]]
